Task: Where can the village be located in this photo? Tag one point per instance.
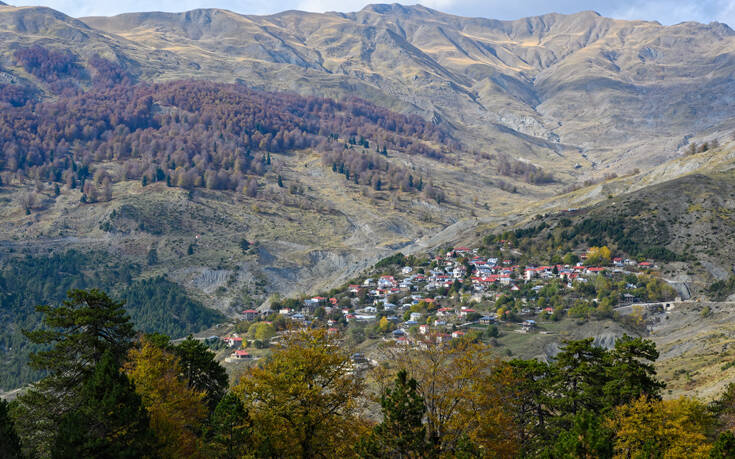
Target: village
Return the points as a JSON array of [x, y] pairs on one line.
[[457, 294]]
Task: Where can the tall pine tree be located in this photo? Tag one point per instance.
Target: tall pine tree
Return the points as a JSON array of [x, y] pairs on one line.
[[110, 421], [78, 333], [402, 433], [9, 441]]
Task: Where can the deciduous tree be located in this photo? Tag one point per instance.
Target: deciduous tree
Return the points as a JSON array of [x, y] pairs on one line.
[[177, 411], [304, 398]]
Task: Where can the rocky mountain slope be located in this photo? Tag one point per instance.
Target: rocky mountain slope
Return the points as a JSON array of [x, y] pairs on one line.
[[536, 104], [557, 90]]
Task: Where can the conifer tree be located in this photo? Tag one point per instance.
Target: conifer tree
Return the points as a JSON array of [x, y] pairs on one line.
[[110, 421], [9, 441], [402, 433], [79, 332], [230, 428], [201, 371]]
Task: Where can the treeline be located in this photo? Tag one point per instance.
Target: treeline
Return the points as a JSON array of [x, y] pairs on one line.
[[196, 134], [154, 304], [629, 236], [113, 393], [159, 305]]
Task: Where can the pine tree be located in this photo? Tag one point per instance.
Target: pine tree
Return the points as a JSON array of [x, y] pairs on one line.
[[631, 373], [202, 372], [229, 431], [9, 441], [402, 433], [110, 422], [79, 332], [581, 368]]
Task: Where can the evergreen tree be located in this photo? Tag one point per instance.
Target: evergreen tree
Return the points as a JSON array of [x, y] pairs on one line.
[[152, 257], [229, 432], [630, 375], [79, 332], [587, 437], [110, 421], [723, 447], [9, 441], [402, 433], [580, 370], [202, 372]]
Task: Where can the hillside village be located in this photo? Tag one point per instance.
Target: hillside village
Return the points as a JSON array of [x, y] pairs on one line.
[[461, 293]]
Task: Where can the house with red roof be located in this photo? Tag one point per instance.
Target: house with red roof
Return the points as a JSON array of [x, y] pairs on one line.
[[250, 314]]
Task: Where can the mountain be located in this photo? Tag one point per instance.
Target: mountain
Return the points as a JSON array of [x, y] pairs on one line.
[[548, 88], [558, 90], [228, 153]]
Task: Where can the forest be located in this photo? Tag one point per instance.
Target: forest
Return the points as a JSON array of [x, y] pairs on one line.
[[153, 304], [110, 391], [188, 133]]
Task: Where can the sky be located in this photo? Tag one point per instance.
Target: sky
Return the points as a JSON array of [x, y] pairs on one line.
[[665, 11]]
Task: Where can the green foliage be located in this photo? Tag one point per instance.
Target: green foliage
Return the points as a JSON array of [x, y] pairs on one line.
[[79, 331], [721, 289], [201, 371], [109, 420], [30, 281], [557, 402], [629, 236], [159, 305], [629, 375], [9, 441], [155, 304], [723, 447], [152, 257], [262, 331], [395, 259], [229, 432], [587, 437], [402, 433]]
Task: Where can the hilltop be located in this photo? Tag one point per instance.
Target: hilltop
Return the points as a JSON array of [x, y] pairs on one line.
[[557, 90]]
